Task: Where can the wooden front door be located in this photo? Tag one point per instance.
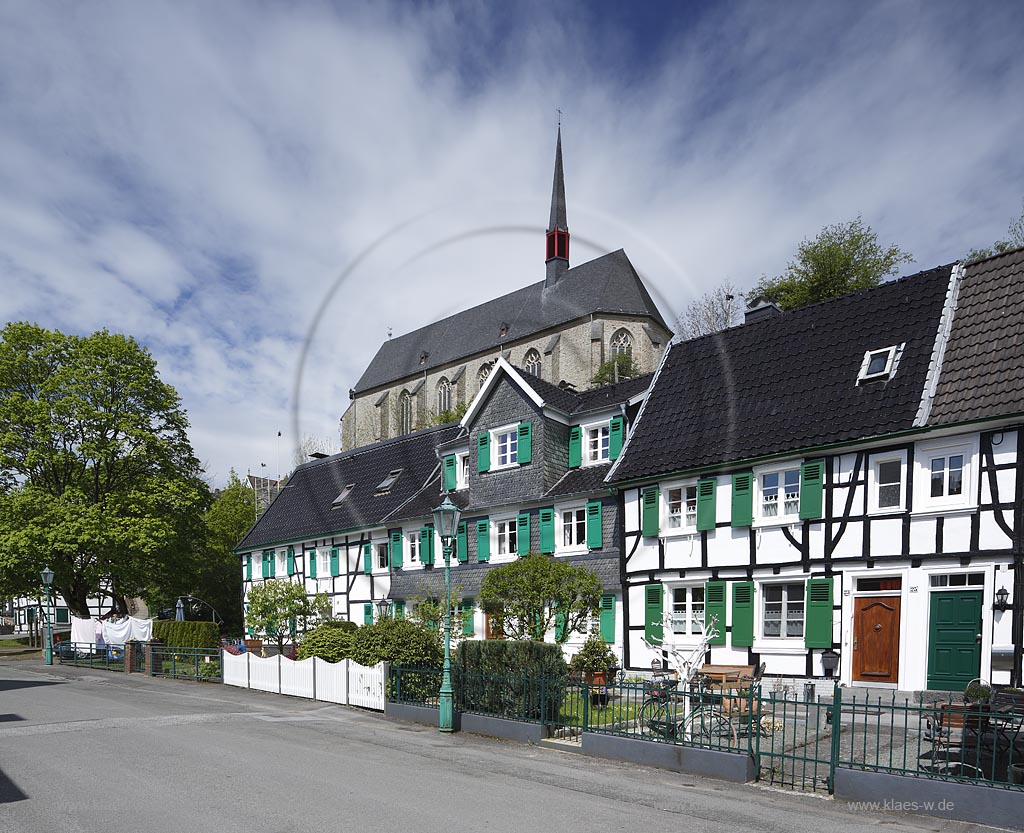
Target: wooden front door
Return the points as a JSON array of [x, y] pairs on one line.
[[876, 639], [954, 639]]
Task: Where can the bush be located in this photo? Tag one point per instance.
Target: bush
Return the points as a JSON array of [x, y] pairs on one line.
[[331, 641], [522, 680], [595, 655], [398, 641], [187, 634]]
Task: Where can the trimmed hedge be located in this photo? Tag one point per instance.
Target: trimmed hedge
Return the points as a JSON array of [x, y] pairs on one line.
[[398, 641], [331, 641], [187, 634], [502, 657], [520, 680]]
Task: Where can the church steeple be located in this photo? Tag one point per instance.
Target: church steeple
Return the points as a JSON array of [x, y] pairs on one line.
[[557, 258]]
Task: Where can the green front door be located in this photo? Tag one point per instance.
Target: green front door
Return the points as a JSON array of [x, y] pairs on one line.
[[954, 639]]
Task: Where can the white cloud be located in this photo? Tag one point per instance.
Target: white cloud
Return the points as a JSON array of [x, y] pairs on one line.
[[200, 175]]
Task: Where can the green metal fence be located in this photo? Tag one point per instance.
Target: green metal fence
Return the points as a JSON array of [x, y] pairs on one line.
[[89, 655], [199, 664]]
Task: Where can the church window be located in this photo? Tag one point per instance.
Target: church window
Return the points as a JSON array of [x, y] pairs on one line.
[[531, 363], [485, 371], [622, 343], [444, 396], [404, 413]]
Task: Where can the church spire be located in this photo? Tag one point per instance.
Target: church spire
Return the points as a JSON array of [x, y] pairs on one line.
[[557, 257]]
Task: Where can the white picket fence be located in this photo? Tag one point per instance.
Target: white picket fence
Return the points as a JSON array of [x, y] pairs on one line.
[[345, 682]]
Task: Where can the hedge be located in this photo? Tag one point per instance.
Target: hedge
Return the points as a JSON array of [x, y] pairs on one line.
[[331, 641], [521, 680], [187, 634]]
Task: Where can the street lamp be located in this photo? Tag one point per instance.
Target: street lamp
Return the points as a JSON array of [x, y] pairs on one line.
[[47, 576], [446, 522], [383, 608]]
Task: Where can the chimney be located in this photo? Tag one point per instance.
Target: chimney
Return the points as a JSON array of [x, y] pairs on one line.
[[760, 309]]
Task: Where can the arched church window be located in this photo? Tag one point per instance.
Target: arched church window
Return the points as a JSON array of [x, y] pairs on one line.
[[622, 343], [444, 396], [485, 371], [404, 413], [531, 363]]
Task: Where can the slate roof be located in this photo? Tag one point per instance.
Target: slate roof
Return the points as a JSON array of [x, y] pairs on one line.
[[608, 284], [303, 508], [595, 399], [588, 479], [421, 505], [467, 578], [982, 371], [788, 382]]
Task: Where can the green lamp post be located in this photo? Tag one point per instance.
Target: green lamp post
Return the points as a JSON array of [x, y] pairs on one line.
[[47, 576], [446, 522]]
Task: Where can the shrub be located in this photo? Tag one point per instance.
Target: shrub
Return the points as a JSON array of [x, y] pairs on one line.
[[398, 641], [330, 641], [595, 655], [187, 634], [523, 680]]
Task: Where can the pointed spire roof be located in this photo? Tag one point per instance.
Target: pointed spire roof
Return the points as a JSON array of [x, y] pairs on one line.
[[558, 191]]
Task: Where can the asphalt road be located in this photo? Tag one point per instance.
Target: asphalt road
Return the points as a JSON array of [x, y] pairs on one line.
[[95, 752]]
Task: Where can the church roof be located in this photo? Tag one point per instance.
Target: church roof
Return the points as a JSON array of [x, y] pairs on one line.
[[608, 284]]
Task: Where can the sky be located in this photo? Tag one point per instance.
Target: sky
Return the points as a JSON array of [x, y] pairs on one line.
[[260, 192]]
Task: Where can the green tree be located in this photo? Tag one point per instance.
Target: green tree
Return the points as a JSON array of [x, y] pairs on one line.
[[843, 258], [398, 641], [280, 609], [331, 641], [1015, 233], [97, 476], [219, 577], [619, 367], [530, 596]]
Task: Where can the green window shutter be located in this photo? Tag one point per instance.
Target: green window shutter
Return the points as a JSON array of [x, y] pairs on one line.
[[608, 617], [714, 605], [335, 562], [615, 436], [706, 503], [248, 567], [523, 533], [560, 633], [649, 513], [595, 537], [743, 499], [654, 627], [367, 558], [449, 473], [368, 613], [400, 610], [818, 627], [461, 543], [291, 561], [483, 452], [427, 546], [468, 607], [524, 446], [575, 447], [312, 563], [810, 489], [547, 530], [265, 565], [483, 540], [395, 550], [742, 614]]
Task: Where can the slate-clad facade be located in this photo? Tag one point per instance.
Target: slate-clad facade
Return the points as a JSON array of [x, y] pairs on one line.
[[809, 480]]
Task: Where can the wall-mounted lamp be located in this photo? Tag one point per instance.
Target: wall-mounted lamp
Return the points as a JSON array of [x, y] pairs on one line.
[[1001, 600]]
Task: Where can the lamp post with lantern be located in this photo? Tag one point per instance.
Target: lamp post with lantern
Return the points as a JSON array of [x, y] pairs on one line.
[[446, 522], [47, 576]]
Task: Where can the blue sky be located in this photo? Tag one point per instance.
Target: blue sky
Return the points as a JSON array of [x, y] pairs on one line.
[[202, 175]]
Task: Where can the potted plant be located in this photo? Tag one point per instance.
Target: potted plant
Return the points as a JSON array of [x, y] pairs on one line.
[[976, 699], [597, 664]]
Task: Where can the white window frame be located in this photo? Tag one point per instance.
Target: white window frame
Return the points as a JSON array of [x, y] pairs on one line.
[[873, 483], [462, 470], [590, 459], [782, 638], [924, 453], [667, 530], [377, 543], [412, 552], [892, 356], [510, 523], [577, 509], [687, 615], [282, 563], [509, 430], [323, 564], [761, 519]]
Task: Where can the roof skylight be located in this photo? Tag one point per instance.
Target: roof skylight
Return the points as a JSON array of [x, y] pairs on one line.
[[389, 481], [879, 364], [344, 494]]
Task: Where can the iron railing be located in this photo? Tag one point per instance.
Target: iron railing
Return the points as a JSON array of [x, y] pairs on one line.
[[199, 664], [90, 655]]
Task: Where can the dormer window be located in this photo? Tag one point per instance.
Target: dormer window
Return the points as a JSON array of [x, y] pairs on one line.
[[344, 494], [503, 331], [424, 356], [879, 364], [389, 481]]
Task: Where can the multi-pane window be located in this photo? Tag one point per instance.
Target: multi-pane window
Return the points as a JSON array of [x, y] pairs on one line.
[[622, 343], [947, 475], [783, 610], [889, 481], [506, 447], [682, 507], [574, 527], [282, 563], [462, 471], [382, 555], [412, 543], [404, 413], [688, 610], [506, 532], [597, 444], [323, 564], [444, 396], [531, 363], [780, 493]]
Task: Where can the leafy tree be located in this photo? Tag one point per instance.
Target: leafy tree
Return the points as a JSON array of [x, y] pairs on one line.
[[219, 579], [1016, 240], [527, 597], [278, 609], [712, 312], [843, 258], [398, 641], [429, 610], [619, 367], [97, 476]]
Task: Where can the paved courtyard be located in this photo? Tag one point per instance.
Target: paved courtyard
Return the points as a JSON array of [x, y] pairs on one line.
[[86, 751]]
